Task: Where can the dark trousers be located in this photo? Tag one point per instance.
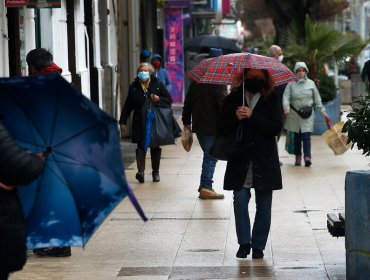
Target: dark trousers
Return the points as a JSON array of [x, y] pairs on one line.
[[262, 220], [304, 138], [13, 251]]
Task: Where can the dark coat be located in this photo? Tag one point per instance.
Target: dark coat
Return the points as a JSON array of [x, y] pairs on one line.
[[17, 168], [259, 143], [135, 100], [365, 73], [202, 107]]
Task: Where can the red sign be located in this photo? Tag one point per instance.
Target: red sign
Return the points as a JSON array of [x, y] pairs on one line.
[[15, 3], [44, 4]]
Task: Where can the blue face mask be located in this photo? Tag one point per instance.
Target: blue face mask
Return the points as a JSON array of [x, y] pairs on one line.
[[143, 75]]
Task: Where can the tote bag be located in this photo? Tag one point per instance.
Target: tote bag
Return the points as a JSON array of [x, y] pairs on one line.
[[336, 139], [162, 131]]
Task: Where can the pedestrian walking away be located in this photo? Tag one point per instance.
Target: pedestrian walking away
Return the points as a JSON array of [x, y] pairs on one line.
[[160, 72], [146, 87], [256, 166], [18, 167], [298, 96], [144, 56], [40, 62], [202, 107], [277, 53]]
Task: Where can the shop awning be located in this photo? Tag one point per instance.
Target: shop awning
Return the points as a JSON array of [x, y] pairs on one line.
[[33, 3]]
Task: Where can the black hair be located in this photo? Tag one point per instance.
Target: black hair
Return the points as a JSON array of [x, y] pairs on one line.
[[39, 58]]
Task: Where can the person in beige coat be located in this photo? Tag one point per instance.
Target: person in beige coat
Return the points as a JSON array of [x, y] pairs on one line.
[[297, 95]]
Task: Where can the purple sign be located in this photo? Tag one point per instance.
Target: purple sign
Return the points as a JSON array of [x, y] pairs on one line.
[[178, 4], [173, 43]]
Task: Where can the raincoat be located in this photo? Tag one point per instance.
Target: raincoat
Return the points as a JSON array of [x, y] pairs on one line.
[[300, 94]]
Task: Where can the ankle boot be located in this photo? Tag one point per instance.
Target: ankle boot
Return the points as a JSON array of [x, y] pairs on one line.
[[155, 154], [298, 160], [140, 162], [307, 161]]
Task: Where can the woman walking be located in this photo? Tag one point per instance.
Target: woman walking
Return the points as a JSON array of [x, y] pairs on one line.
[[298, 95], [257, 164], [145, 87]]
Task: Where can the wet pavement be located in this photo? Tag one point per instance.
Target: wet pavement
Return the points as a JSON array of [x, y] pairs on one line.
[[189, 238]]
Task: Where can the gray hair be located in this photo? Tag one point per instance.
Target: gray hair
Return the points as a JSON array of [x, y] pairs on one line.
[[145, 64], [273, 50]]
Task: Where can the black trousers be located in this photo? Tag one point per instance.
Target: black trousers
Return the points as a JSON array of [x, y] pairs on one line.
[[13, 251]]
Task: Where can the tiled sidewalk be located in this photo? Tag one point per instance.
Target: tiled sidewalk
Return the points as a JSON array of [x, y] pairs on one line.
[[188, 238]]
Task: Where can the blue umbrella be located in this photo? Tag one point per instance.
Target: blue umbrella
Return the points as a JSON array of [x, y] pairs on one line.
[[83, 179], [149, 119]]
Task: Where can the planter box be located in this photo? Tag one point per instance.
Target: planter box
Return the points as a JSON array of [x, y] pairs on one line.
[[357, 228], [333, 110]]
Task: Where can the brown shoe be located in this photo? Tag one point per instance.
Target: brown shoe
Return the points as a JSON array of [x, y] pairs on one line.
[[209, 194]]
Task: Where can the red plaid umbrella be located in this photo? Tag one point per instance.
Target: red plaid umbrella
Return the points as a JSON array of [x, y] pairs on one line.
[[222, 70]]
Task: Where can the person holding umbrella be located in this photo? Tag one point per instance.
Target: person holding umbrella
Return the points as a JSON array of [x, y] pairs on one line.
[[146, 87], [18, 167], [254, 108]]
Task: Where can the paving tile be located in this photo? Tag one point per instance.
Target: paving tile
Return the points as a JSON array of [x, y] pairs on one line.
[[189, 238]]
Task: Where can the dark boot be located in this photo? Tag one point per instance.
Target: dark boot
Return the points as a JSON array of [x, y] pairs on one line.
[[155, 155], [140, 162]]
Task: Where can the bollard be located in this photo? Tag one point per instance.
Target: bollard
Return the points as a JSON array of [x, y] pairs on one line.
[[357, 236]]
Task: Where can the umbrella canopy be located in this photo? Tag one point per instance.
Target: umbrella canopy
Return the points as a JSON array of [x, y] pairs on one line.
[[224, 69], [83, 179], [205, 42]]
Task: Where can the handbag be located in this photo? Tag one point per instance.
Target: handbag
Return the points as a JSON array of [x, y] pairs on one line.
[[336, 139], [187, 139], [289, 143], [228, 147], [305, 112]]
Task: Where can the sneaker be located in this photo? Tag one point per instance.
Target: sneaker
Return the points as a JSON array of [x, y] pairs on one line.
[[209, 194], [53, 252]]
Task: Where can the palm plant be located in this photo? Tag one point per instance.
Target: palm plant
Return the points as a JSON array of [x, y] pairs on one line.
[[321, 44]]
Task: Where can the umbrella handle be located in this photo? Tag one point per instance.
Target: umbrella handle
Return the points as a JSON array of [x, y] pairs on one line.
[[136, 203]]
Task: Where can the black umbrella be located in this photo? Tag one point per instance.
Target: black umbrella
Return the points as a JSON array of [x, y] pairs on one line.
[[204, 42]]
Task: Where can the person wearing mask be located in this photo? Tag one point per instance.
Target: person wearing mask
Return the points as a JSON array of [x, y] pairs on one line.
[[257, 164], [145, 87], [144, 56], [276, 52], [18, 167], [299, 94], [40, 62], [202, 107], [160, 72]]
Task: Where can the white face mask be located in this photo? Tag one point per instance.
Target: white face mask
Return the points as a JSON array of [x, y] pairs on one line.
[[280, 58], [301, 75]]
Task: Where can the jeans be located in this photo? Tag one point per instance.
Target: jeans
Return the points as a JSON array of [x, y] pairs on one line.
[[306, 139], [262, 220], [209, 163]]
